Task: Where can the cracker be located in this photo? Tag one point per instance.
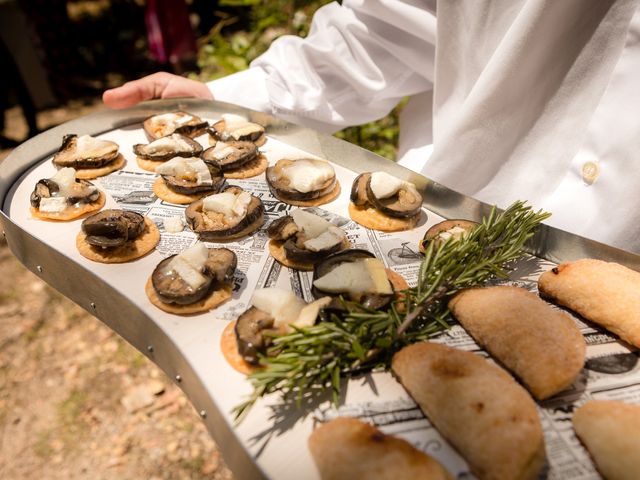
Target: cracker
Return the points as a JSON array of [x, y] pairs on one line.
[[250, 169], [229, 347], [611, 432], [139, 247], [165, 193], [217, 297], [71, 213], [276, 249], [329, 197], [90, 173], [149, 165], [370, 217]]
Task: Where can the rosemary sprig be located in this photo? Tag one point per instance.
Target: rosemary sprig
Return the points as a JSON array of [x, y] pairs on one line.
[[311, 360]]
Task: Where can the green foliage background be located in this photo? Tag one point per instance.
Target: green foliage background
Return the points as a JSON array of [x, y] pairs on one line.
[[245, 30]]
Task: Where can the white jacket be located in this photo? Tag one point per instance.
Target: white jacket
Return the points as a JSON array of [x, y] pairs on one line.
[[536, 100]]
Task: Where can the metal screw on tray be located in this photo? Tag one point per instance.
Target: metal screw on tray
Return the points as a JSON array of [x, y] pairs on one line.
[[203, 413], [178, 378], [150, 348], [39, 268], [93, 305]]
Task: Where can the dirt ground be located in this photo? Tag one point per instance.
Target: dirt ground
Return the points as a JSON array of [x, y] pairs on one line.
[[76, 401]]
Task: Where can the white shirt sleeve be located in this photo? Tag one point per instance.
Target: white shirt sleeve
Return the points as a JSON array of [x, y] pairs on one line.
[[359, 60]]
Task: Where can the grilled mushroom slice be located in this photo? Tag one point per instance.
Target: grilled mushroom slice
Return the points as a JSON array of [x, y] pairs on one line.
[[250, 338], [231, 155], [282, 228], [235, 127], [164, 148], [172, 287], [191, 176], [351, 287], [442, 231], [165, 124], [227, 215], [81, 191], [112, 228], [405, 203], [302, 179], [359, 195], [85, 152]]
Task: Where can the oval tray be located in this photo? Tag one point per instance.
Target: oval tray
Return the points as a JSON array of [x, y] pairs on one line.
[[271, 441]]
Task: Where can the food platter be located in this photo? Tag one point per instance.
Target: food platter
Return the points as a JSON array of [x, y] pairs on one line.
[[271, 441]]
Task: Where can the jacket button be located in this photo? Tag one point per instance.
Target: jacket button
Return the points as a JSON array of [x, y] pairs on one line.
[[590, 172]]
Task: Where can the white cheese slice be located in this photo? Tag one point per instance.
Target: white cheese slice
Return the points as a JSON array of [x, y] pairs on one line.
[[280, 304], [309, 313], [306, 176], [222, 150], [65, 178], [312, 225], [181, 120], [171, 143], [362, 276], [196, 255], [87, 142], [228, 203], [185, 270], [241, 205], [187, 168], [52, 204], [173, 224], [220, 203], [231, 120], [325, 240], [384, 185], [456, 233]]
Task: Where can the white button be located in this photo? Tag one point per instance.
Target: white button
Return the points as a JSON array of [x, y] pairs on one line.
[[590, 172]]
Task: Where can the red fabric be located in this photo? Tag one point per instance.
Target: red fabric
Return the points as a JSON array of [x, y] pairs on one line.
[[169, 31]]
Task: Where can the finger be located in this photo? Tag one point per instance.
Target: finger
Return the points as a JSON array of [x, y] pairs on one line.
[[184, 87], [132, 93]]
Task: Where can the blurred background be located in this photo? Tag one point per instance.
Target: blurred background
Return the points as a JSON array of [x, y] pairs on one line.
[[76, 401], [66, 53]]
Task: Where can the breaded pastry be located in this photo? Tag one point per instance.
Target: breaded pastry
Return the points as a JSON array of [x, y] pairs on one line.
[[477, 406], [348, 449], [605, 293], [540, 344], [611, 432]]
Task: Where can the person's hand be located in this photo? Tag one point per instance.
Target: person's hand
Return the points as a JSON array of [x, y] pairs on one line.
[[157, 85]]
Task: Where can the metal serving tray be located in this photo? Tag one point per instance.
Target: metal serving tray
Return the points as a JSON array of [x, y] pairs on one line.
[[270, 442]]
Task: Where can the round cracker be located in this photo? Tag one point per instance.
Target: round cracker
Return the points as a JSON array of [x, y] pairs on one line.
[[165, 193], [149, 165], [139, 247], [276, 249], [217, 297], [329, 197], [370, 217], [90, 173], [397, 281], [70, 213], [250, 169], [229, 347]]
